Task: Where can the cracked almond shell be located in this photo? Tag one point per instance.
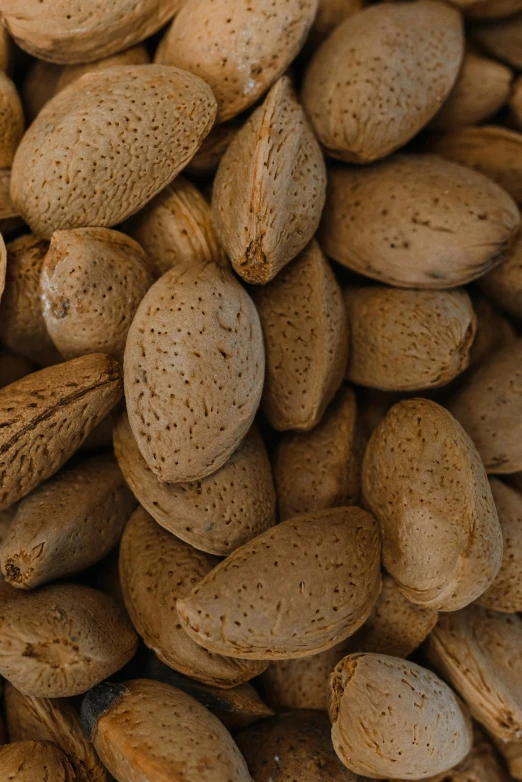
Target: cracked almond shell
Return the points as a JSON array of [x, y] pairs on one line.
[[297, 589], [270, 187], [75, 166], [503, 285], [35, 761], [425, 484]]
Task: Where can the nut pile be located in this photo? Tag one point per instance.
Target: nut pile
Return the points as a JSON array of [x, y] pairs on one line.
[[260, 390]]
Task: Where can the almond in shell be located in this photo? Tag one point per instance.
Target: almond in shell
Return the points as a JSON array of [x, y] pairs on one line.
[[11, 120], [34, 761], [488, 9], [494, 331]]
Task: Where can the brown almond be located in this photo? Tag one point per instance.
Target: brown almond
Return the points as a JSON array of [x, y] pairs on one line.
[[11, 120], [481, 765], [422, 726], [322, 468], [47, 415], [502, 38], [215, 514], [190, 409], [91, 284], [136, 55], [503, 285], [424, 482], [53, 719], [381, 76], [494, 331], [306, 340], [6, 50], [246, 47], [489, 407], [34, 761], [68, 524], [67, 32], [60, 640], [270, 187], [148, 730], [511, 751], [417, 221], [206, 160], [39, 86], [156, 571], [108, 183], [3, 265], [488, 9], [13, 368], [304, 585]]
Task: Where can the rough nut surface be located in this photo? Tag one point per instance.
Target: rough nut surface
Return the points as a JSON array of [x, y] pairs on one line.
[[34, 761]]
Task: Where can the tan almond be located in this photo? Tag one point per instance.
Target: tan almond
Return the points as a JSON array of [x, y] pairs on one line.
[[206, 160], [156, 571], [13, 368], [502, 38], [494, 331], [11, 120], [483, 764], [417, 221], [39, 86], [306, 340], [270, 187], [381, 76], [47, 415], [136, 55], [503, 285], [55, 186], [34, 761]]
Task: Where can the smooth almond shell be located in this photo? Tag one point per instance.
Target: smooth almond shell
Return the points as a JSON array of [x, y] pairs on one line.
[[424, 482], [58, 183], [270, 187], [136, 55], [422, 727], [11, 120], [194, 370], [246, 47], [417, 221], [297, 589], [34, 761], [494, 331], [381, 76], [156, 570], [306, 339], [215, 514], [502, 39]]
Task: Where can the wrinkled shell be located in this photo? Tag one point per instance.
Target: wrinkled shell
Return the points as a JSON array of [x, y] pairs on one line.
[[194, 370], [34, 761], [156, 570], [136, 55], [11, 120], [489, 407], [502, 39], [424, 482], [215, 514], [503, 285], [417, 221], [270, 187], [47, 415], [381, 76], [392, 717], [322, 468], [238, 48], [67, 524], [206, 160], [297, 589], [61, 640], [68, 31], [63, 178], [13, 368], [306, 338], [294, 746], [478, 653], [39, 86], [92, 282], [148, 730], [494, 331], [402, 340]]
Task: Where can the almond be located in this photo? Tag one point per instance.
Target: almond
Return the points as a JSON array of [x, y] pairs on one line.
[[502, 38], [329, 15], [206, 160], [136, 55], [13, 368], [512, 754], [11, 120], [481, 765], [34, 761], [488, 9], [381, 76], [270, 187], [417, 221], [6, 50], [194, 370], [7, 210], [56, 184], [494, 331], [305, 328], [39, 86]]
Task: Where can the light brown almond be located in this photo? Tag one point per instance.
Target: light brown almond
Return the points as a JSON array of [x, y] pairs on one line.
[[502, 38], [136, 55], [39, 86], [494, 331], [11, 120], [483, 764], [206, 160], [503, 285], [13, 368], [34, 761]]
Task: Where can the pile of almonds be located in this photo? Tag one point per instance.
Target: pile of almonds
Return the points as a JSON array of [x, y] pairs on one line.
[[260, 390]]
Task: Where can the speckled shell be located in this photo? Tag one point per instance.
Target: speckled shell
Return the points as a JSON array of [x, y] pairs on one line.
[[62, 639], [136, 55], [53, 719], [215, 514], [494, 331], [206, 160], [293, 746], [91, 283], [146, 730], [478, 652], [417, 221], [175, 229], [489, 407], [502, 39], [238, 48], [11, 120], [39, 86], [47, 415], [67, 524], [68, 31], [297, 589], [306, 338], [194, 370], [402, 340], [75, 166], [270, 187], [503, 285], [392, 717], [322, 468], [13, 368], [156, 570], [381, 76], [424, 482], [34, 761]]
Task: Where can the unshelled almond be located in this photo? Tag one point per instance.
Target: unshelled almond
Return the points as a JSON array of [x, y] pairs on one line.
[[34, 761]]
